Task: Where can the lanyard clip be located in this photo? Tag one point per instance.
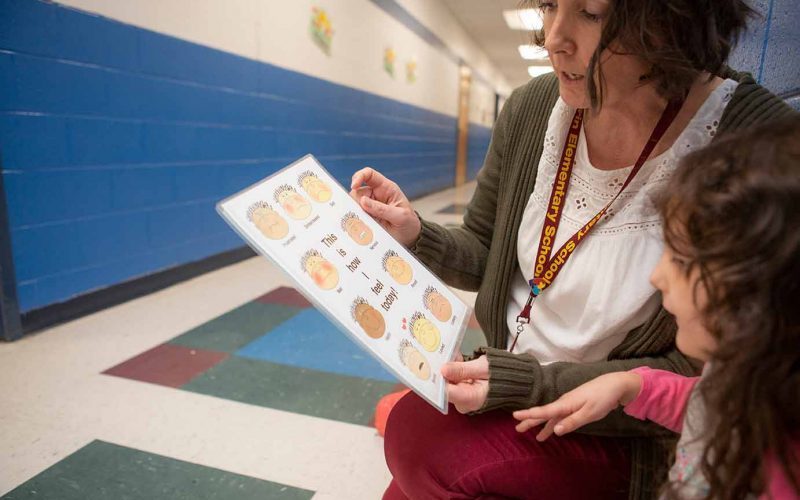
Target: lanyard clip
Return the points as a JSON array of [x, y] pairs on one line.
[[524, 316]]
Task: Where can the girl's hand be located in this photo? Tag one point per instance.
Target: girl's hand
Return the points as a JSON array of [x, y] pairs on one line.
[[587, 403], [386, 203], [467, 383]]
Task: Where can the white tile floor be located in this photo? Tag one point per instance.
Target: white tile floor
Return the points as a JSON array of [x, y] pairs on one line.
[[54, 400]]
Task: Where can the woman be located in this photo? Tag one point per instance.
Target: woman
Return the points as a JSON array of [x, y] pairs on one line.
[[649, 71]]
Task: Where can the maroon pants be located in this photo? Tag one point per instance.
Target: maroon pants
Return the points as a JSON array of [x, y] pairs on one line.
[[433, 456]]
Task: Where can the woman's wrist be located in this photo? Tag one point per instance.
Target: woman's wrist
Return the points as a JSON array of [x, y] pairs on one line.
[[412, 246]]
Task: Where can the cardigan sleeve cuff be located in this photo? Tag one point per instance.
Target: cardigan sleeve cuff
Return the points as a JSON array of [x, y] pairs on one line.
[[429, 241], [511, 379]]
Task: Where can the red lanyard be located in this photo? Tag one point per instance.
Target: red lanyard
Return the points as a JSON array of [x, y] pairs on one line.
[[548, 264]]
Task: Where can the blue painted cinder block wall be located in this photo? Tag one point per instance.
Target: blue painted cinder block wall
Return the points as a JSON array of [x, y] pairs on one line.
[[478, 139], [116, 142], [770, 50]]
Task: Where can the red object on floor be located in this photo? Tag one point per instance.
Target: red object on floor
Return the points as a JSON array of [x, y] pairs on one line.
[[168, 364], [384, 407]]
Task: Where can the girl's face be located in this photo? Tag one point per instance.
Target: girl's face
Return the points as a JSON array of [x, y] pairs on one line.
[[678, 295], [572, 31]]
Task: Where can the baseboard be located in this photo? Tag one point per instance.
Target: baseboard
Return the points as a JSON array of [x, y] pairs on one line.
[[54, 314]]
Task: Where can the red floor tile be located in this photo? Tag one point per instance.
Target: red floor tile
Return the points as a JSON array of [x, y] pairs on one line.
[[168, 364], [286, 296]]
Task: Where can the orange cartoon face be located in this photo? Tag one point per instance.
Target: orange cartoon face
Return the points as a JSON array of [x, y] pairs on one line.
[[322, 272], [357, 229], [295, 205], [370, 320], [426, 333], [398, 269], [415, 361], [316, 189], [438, 305], [270, 224]]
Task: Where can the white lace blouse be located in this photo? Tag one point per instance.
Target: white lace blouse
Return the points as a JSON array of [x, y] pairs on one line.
[[603, 291]]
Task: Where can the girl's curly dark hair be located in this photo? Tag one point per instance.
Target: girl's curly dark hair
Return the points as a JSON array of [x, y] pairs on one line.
[[732, 210], [676, 39]]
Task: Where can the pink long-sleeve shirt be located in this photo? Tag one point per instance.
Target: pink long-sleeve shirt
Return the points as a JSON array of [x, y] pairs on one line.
[[663, 399]]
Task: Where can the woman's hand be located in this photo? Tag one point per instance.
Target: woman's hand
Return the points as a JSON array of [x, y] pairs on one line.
[[467, 383], [587, 403], [386, 203]]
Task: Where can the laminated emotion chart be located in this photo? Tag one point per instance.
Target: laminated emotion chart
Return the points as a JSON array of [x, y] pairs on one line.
[[354, 272]]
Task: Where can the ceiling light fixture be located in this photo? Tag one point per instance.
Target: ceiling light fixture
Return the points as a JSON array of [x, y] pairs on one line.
[[523, 19], [532, 52]]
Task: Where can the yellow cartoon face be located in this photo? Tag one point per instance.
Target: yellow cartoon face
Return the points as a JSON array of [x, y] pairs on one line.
[[322, 272], [370, 320], [438, 306], [316, 189], [417, 363], [358, 230], [399, 269], [426, 334], [295, 205], [270, 224]]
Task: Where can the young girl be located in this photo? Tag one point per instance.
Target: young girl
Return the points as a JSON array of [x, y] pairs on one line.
[[730, 274]]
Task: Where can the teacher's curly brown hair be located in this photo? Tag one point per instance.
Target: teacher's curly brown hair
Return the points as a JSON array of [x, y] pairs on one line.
[[676, 39]]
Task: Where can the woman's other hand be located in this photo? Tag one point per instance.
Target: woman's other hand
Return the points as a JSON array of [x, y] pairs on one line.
[[386, 203], [587, 403], [467, 383]]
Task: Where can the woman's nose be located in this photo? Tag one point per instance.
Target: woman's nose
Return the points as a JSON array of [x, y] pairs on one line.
[[558, 37]]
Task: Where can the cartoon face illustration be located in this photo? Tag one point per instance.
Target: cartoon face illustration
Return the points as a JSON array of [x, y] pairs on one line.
[[313, 185], [293, 202], [397, 268], [321, 271], [368, 318], [425, 332], [356, 229], [414, 360], [267, 220], [437, 304]]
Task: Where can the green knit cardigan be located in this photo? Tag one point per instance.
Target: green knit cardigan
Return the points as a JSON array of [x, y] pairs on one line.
[[481, 255]]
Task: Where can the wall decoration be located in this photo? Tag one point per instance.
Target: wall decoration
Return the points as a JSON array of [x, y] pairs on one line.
[[411, 71], [388, 60], [321, 29]]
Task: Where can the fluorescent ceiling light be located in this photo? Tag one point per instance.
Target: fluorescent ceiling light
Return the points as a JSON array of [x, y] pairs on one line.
[[535, 71], [532, 52], [523, 19]]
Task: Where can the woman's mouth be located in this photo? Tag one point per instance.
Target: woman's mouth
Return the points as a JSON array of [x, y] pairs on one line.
[[572, 77]]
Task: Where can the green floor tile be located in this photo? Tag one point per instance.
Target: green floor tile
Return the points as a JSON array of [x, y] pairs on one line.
[[236, 328], [106, 471], [472, 339], [282, 387]]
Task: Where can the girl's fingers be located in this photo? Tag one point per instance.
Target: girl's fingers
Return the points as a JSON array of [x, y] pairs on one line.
[[575, 421], [546, 412], [547, 430], [528, 424]]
